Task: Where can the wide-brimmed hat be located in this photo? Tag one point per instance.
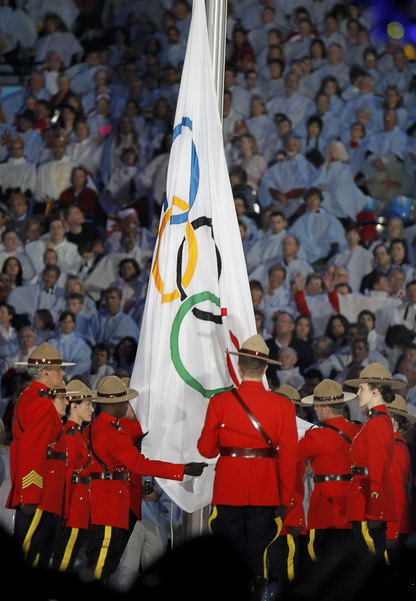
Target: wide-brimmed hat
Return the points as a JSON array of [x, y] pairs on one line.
[[45, 355], [255, 347], [328, 392], [111, 389], [399, 407], [77, 391], [376, 373], [291, 393]]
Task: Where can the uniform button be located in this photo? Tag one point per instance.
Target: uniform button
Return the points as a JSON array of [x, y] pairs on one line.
[[52, 471], [222, 426], [81, 498]]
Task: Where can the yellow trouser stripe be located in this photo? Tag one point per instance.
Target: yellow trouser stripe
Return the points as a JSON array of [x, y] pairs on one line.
[[32, 529], [103, 553], [367, 537], [212, 517], [69, 550], [291, 557], [311, 542], [386, 558], [279, 524]]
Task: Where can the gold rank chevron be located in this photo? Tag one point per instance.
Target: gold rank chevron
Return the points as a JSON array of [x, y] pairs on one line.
[[32, 478]]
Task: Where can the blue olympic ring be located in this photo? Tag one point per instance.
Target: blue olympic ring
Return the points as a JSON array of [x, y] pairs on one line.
[[194, 179]]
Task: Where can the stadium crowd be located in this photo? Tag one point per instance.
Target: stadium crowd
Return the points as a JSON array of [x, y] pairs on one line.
[[319, 125]]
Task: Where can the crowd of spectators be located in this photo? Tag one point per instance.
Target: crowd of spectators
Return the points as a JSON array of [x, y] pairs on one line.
[[319, 130]]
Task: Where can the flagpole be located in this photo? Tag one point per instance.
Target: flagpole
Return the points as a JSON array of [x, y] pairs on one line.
[[217, 30]]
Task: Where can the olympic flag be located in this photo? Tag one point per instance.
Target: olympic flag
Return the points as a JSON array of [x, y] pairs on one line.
[[198, 302]]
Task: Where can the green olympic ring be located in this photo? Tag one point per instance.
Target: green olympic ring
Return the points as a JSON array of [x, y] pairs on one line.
[[185, 307]]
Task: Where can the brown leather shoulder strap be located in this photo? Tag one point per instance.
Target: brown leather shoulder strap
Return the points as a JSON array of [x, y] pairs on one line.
[[252, 418]]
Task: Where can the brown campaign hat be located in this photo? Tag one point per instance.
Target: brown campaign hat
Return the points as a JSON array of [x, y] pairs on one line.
[[57, 390], [111, 389], [255, 347], [291, 393], [45, 355], [376, 373], [328, 392], [77, 391], [399, 407]]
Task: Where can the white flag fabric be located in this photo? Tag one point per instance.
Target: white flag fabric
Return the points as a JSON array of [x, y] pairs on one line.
[[198, 302]]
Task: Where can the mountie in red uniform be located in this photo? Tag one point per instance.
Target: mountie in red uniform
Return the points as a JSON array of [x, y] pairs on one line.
[[117, 467], [256, 481], [113, 458], [77, 512], [329, 453], [370, 495], [77, 495], [251, 478], [37, 471], [37, 453]]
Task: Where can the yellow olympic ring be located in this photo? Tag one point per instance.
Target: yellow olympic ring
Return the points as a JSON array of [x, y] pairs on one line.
[[168, 297]]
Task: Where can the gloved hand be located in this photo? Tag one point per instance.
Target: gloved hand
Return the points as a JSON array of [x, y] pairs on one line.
[[280, 511], [194, 468]]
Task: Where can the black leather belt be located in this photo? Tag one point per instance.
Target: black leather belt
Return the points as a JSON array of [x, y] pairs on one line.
[[55, 455], [247, 453], [357, 470], [79, 480], [319, 478], [110, 476]]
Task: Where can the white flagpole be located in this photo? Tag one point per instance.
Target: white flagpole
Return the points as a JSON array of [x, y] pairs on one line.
[[196, 523], [217, 30]]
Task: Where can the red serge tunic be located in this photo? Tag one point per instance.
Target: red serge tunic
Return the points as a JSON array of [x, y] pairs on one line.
[[371, 497], [400, 478], [112, 444], [77, 497], [251, 481], [329, 454], [37, 429]]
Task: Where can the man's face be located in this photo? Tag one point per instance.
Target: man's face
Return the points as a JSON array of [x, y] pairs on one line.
[[75, 216], [277, 224], [99, 357], [313, 202], [58, 149], [10, 242], [359, 352], [290, 246], [284, 324], [50, 277], [287, 358], [112, 303], [17, 149], [395, 281], [18, 205], [381, 256], [67, 325], [74, 305], [276, 278], [129, 240], [27, 341], [56, 230]]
